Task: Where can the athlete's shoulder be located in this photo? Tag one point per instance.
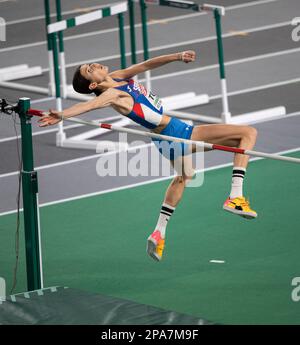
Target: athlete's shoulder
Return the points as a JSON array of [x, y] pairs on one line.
[[119, 75], [108, 94]]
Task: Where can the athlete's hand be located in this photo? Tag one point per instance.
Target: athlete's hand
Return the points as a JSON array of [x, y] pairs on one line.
[[187, 56], [52, 118]]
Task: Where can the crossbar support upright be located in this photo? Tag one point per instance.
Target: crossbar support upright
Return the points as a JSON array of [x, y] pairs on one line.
[[30, 205]]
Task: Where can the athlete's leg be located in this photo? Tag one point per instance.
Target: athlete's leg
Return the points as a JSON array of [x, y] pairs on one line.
[[236, 136], [231, 135], [185, 172]]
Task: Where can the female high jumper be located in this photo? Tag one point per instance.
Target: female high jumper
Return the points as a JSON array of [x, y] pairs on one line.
[[118, 90]]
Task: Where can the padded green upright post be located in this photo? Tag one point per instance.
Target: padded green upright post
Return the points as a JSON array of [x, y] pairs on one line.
[[30, 207]]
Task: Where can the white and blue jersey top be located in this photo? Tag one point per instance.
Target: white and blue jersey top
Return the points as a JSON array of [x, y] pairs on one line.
[[147, 109]]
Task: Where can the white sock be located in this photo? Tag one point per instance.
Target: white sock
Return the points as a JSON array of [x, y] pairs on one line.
[[238, 175], [164, 216]]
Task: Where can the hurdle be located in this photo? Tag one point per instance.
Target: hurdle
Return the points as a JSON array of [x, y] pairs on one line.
[[171, 103], [9, 74], [19, 72], [226, 117], [179, 101], [83, 141], [61, 25], [54, 31]]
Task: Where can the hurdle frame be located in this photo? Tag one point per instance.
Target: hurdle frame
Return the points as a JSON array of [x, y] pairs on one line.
[[226, 117], [173, 102], [81, 141]]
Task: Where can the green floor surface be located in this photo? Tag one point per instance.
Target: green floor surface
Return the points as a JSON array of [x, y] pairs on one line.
[[98, 244]]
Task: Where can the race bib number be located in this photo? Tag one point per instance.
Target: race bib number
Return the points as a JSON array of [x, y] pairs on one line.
[[154, 100], [151, 97]]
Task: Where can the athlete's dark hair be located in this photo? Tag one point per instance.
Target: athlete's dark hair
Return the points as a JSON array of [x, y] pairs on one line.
[[81, 84]]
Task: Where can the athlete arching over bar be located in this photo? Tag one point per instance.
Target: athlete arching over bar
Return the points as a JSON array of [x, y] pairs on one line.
[[118, 90]]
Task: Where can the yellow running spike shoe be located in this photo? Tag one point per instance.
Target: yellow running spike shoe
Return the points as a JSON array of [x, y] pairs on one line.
[[239, 206], [155, 245]]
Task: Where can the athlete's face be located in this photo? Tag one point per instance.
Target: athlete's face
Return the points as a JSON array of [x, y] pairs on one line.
[[94, 72]]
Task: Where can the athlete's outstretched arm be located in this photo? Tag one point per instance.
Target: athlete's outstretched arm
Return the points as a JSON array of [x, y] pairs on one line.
[[54, 116], [186, 56]]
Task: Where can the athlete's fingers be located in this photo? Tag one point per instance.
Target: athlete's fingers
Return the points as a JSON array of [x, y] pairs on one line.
[[188, 56], [47, 120], [191, 54], [44, 124], [48, 123], [43, 119]]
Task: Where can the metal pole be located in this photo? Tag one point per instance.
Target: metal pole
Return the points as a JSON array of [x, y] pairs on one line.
[[60, 136], [122, 40], [49, 48], [225, 114], [144, 28], [132, 31], [62, 59], [145, 40], [30, 206]]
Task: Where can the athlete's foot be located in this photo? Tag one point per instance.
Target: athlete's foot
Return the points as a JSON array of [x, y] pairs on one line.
[[155, 245], [239, 206]]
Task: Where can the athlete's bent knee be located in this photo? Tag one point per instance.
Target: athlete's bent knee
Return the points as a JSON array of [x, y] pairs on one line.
[[249, 132], [188, 176], [252, 132], [178, 180]]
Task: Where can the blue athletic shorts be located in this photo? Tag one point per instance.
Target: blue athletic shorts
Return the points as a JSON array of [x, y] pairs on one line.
[[172, 150]]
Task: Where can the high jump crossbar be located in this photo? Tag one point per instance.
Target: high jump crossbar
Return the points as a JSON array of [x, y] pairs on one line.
[[201, 144]]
